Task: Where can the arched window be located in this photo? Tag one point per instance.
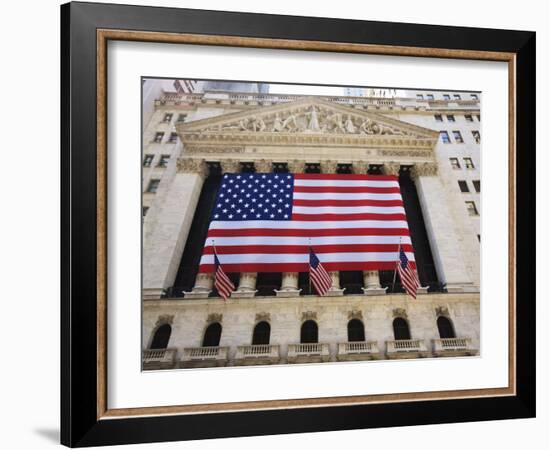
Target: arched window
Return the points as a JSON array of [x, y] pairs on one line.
[[212, 335], [356, 331], [309, 334], [161, 336], [445, 328], [401, 329], [261, 334]]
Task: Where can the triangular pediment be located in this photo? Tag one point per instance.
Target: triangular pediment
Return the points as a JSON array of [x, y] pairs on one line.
[[309, 116]]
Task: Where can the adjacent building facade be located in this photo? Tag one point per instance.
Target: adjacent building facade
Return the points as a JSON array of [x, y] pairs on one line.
[[431, 140]]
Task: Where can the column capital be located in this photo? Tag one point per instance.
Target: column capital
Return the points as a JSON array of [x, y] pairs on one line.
[[192, 165], [426, 169], [392, 168], [329, 166], [360, 167], [296, 166], [230, 166], [263, 165]]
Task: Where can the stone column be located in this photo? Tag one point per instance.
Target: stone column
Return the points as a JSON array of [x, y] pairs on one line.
[[442, 233], [204, 284], [360, 167], [335, 290], [289, 285], [163, 246], [371, 280], [263, 165], [247, 285]]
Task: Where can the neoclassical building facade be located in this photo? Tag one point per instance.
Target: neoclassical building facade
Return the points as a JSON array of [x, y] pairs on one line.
[[430, 140]]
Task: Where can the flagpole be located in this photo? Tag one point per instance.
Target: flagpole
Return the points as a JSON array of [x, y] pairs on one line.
[[309, 256], [395, 269]]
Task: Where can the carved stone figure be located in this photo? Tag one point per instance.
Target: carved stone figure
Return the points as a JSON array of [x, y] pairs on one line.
[[243, 124], [366, 127], [334, 123], [349, 126], [277, 123], [313, 120], [290, 123], [258, 124]]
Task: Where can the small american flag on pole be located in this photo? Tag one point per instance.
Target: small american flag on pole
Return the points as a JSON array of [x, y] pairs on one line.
[[222, 282], [409, 277], [319, 276]]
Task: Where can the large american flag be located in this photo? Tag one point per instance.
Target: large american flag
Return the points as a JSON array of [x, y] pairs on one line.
[[267, 222], [408, 275]]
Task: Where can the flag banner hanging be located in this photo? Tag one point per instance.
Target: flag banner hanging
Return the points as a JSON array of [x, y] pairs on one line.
[[318, 275], [408, 275], [267, 222]]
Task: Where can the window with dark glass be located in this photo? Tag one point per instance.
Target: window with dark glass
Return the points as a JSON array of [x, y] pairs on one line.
[[445, 137], [158, 137], [167, 117], [430, 96], [419, 96], [161, 337], [312, 168], [446, 97], [147, 160], [474, 96], [463, 186], [280, 167], [457, 96], [182, 117], [401, 329], [476, 136], [458, 137], [212, 335], [478, 117], [451, 118], [468, 117], [455, 164], [153, 186], [469, 163], [356, 331], [445, 328], [173, 138], [472, 210], [144, 211], [309, 333], [438, 117], [477, 185], [163, 161], [261, 334]]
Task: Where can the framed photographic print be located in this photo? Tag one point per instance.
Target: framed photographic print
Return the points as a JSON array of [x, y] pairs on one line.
[[278, 224]]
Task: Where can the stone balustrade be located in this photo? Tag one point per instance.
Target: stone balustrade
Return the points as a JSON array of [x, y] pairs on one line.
[[257, 354], [204, 357], [406, 348], [161, 358], [453, 347], [358, 351], [307, 353]]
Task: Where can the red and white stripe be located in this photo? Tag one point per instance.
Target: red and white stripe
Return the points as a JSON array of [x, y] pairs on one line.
[[354, 222], [223, 284]]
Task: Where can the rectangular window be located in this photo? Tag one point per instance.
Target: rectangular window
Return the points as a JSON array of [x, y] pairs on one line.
[[173, 138], [479, 237], [446, 97], [469, 163], [450, 117], [476, 136], [472, 210], [430, 96], [167, 118], [144, 211], [445, 137], [477, 185], [438, 118], [163, 161], [478, 117], [458, 137], [148, 160], [419, 97], [182, 117], [158, 137], [474, 96], [468, 117], [454, 163], [463, 186], [153, 186], [457, 97]]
